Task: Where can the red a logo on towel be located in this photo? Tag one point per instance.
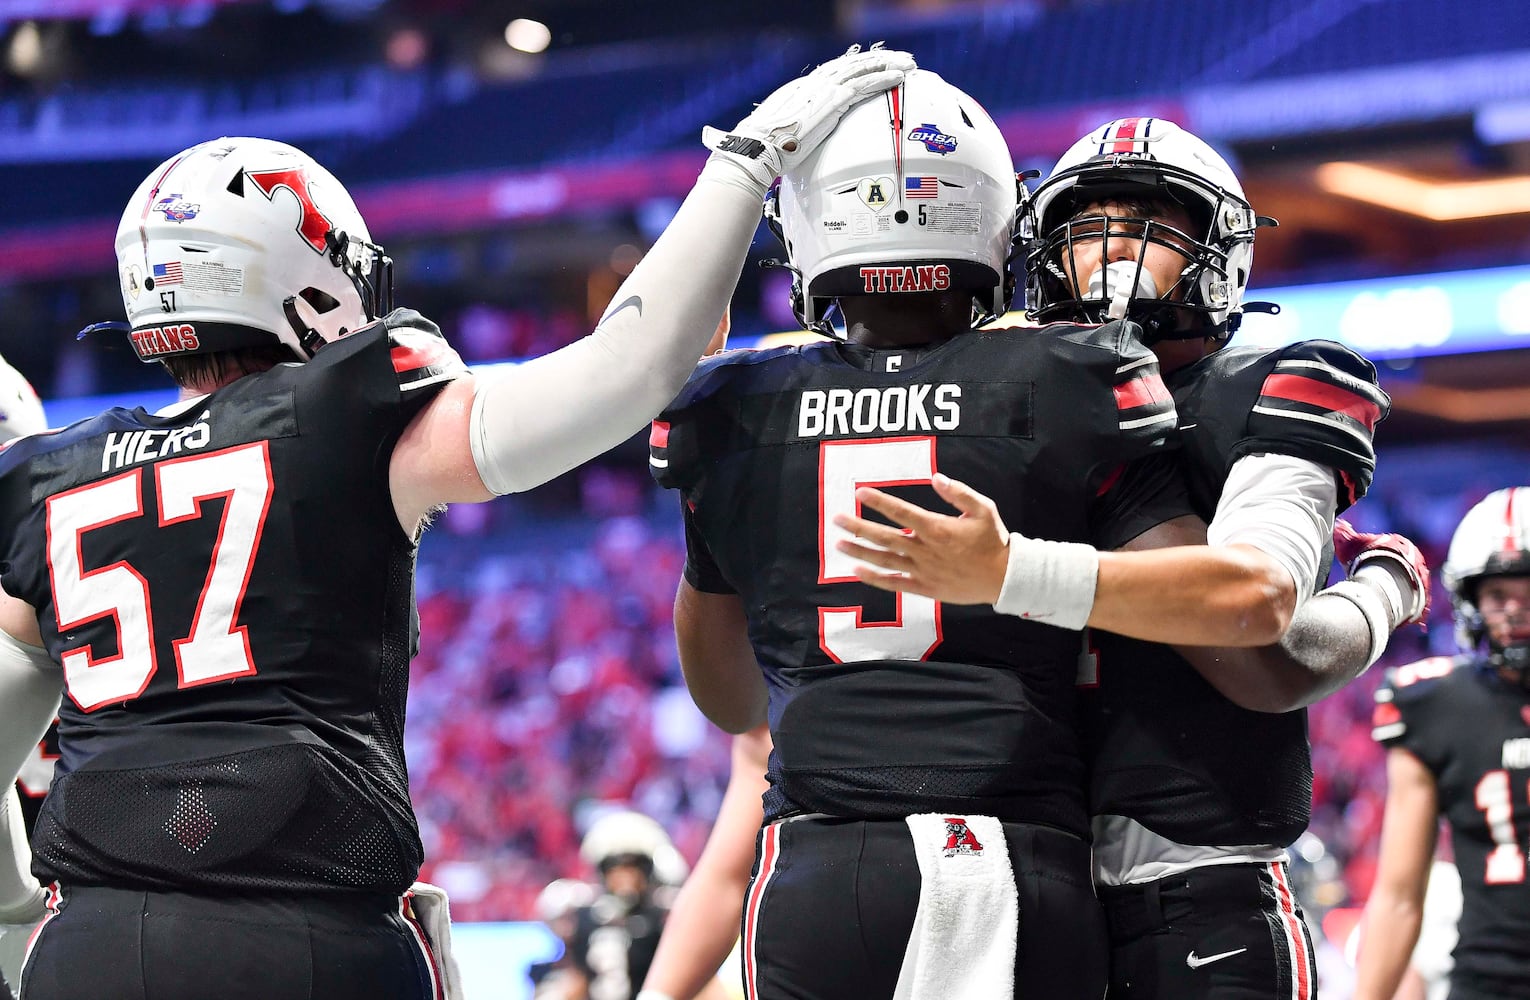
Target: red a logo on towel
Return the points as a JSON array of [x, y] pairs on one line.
[[959, 838]]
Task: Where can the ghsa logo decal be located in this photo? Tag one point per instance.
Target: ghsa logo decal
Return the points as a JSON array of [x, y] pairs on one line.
[[933, 138], [176, 209], [959, 838]]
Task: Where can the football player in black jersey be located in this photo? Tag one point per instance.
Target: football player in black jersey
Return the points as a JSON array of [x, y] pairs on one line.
[[21, 413], [907, 732], [611, 940], [1457, 732], [227, 585], [1200, 768]]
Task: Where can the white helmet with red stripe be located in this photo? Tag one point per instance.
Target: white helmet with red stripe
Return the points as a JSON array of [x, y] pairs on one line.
[[244, 242], [1136, 158], [914, 191], [1493, 539]]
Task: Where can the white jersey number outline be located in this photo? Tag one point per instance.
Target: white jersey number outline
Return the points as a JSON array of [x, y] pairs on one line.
[[216, 649], [844, 466]]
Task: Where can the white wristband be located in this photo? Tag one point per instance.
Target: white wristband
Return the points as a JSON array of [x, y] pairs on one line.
[[1049, 582], [1389, 575], [1373, 606], [646, 994]]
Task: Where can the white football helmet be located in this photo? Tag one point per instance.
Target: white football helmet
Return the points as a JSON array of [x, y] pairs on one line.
[[914, 191], [624, 834], [243, 242], [1493, 539], [1136, 158], [21, 412]]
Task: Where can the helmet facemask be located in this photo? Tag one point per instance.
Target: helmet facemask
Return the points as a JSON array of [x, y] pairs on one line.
[[370, 271], [1492, 540], [1121, 286], [1472, 629]]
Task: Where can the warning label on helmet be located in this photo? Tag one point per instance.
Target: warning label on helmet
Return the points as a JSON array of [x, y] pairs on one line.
[[962, 217], [211, 276]]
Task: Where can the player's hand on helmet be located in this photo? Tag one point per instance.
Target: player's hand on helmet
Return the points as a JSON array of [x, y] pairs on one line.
[[1357, 548], [957, 559], [790, 123]]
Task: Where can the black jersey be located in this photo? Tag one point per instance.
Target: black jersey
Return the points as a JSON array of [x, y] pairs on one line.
[[1471, 729], [884, 705], [231, 597], [613, 944], [1166, 749]]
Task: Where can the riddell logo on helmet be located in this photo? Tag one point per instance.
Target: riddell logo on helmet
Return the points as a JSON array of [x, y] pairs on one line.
[[921, 278], [155, 340]]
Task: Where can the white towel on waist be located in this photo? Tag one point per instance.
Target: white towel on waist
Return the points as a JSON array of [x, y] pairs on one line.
[[962, 946], [430, 905]]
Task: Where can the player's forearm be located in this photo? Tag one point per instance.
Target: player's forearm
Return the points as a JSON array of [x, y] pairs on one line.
[[542, 418], [1325, 648], [1194, 595], [21, 898], [698, 935], [1388, 936]]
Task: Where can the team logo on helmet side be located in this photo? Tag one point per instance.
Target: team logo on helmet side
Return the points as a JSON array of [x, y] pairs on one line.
[[960, 838], [314, 225], [176, 209], [934, 138], [876, 192]]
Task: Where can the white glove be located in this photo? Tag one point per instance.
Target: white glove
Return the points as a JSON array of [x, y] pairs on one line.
[[433, 909], [790, 123]]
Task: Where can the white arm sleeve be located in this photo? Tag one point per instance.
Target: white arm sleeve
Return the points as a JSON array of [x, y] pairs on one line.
[[538, 420], [29, 694], [1282, 506]]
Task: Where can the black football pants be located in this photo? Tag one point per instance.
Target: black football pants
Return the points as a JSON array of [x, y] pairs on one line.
[[114, 944], [1222, 932], [834, 912]]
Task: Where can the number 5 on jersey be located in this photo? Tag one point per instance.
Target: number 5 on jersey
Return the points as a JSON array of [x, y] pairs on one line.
[[843, 467], [216, 649]]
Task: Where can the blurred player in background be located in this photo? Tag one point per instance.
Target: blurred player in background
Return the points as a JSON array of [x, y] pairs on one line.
[[228, 584], [703, 924], [611, 939], [1457, 732], [21, 413], [1200, 771]]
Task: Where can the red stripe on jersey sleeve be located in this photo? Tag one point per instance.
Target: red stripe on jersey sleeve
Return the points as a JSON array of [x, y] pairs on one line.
[[1300, 389], [658, 436], [1141, 391], [419, 354], [1385, 714]]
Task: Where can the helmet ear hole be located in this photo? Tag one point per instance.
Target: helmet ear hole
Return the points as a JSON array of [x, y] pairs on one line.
[[321, 300]]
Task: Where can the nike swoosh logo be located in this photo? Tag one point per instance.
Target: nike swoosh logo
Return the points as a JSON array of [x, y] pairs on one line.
[[1186, 427], [1196, 963], [635, 301]]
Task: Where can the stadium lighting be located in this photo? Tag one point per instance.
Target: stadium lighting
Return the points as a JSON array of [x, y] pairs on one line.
[[1440, 201], [526, 35]]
